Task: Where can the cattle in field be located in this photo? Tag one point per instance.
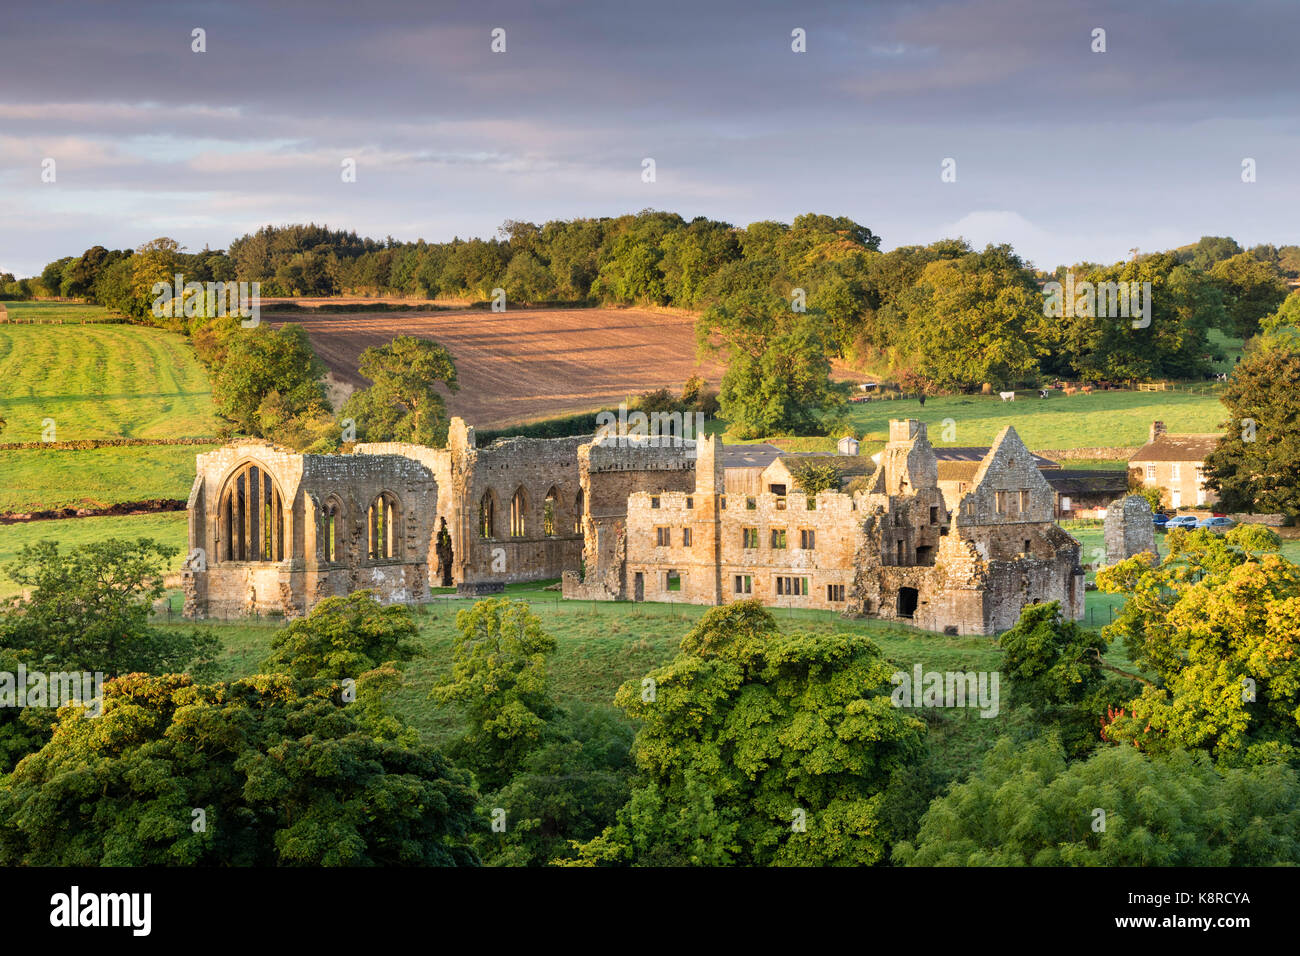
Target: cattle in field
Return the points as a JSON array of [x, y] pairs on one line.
[[1087, 389], [1069, 390], [1042, 393], [1007, 396]]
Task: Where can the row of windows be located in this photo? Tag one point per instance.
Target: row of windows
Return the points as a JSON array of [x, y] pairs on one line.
[[1003, 501], [749, 538], [782, 585], [751, 504], [252, 522], [487, 514], [383, 529], [777, 539], [654, 501], [1175, 472], [789, 586], [664, 537]]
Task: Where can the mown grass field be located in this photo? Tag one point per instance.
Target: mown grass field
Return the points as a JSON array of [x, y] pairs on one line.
[[58, 311], [33, 479], [100, 381], [167, 528]]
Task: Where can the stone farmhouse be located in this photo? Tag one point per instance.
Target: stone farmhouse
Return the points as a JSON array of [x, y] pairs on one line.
[[1175, 464], [272, 531]]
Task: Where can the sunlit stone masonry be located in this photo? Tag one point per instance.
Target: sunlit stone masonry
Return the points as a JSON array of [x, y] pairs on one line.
[[272, 531]]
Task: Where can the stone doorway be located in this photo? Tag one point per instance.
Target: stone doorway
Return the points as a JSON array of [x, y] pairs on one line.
[[907, 600]]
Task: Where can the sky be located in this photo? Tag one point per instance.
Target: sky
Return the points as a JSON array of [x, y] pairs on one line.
[[1068, 154]]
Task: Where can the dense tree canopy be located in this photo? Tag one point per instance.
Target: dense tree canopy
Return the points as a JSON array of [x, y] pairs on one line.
[[403, 402], [1028, 806], [344, 637], [758, 747], [943, 317], [499, 679], [267, 370], [1217, 622], [778, 374], [88, 609], [1055, 667], [254, 773], [1256, 466]]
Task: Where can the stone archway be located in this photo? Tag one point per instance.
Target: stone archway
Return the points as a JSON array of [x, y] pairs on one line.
[[444, 554]]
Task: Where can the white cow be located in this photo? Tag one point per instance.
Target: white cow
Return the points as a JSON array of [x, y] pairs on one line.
[[1007, 396]]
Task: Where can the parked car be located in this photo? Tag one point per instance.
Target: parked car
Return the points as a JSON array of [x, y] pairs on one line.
[[1217, 523], [1159, 519], [1182, 521]]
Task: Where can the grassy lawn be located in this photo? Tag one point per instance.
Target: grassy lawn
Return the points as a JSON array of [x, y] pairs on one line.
[[101, 381], [167, 528], [39, 478]]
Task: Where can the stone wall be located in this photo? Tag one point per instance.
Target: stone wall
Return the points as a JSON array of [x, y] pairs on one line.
[[609, 473], [294, 571], [535, 530], [1095, 453], [1128, 529], [893, 552]]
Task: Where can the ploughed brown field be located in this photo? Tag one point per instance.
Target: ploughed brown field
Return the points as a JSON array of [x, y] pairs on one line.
[[525, 364]]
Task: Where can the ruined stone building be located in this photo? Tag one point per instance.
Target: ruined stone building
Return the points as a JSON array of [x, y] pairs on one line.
[[897, 550], [273, 531]]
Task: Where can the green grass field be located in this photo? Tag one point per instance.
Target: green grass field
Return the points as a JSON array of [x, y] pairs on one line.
[[1073, 421], [33, 479], [602, 645], [101, 381], [64, 311], [166, 528]]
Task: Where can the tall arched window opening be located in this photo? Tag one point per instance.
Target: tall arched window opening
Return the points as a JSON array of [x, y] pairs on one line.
[[549, 506], [518, 509], [251, 516], [384, 521]]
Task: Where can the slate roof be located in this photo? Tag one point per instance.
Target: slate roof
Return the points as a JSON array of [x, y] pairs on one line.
[[749, 456], [1081, 482], [1177, 448], [960, 453]]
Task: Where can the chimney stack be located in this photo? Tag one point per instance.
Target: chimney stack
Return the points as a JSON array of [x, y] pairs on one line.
[[1157, 429]]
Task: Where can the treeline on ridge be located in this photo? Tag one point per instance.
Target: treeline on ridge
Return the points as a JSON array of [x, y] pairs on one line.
[[939, 317]]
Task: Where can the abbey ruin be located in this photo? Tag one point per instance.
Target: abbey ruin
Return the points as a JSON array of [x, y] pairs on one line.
[[273, 531]]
